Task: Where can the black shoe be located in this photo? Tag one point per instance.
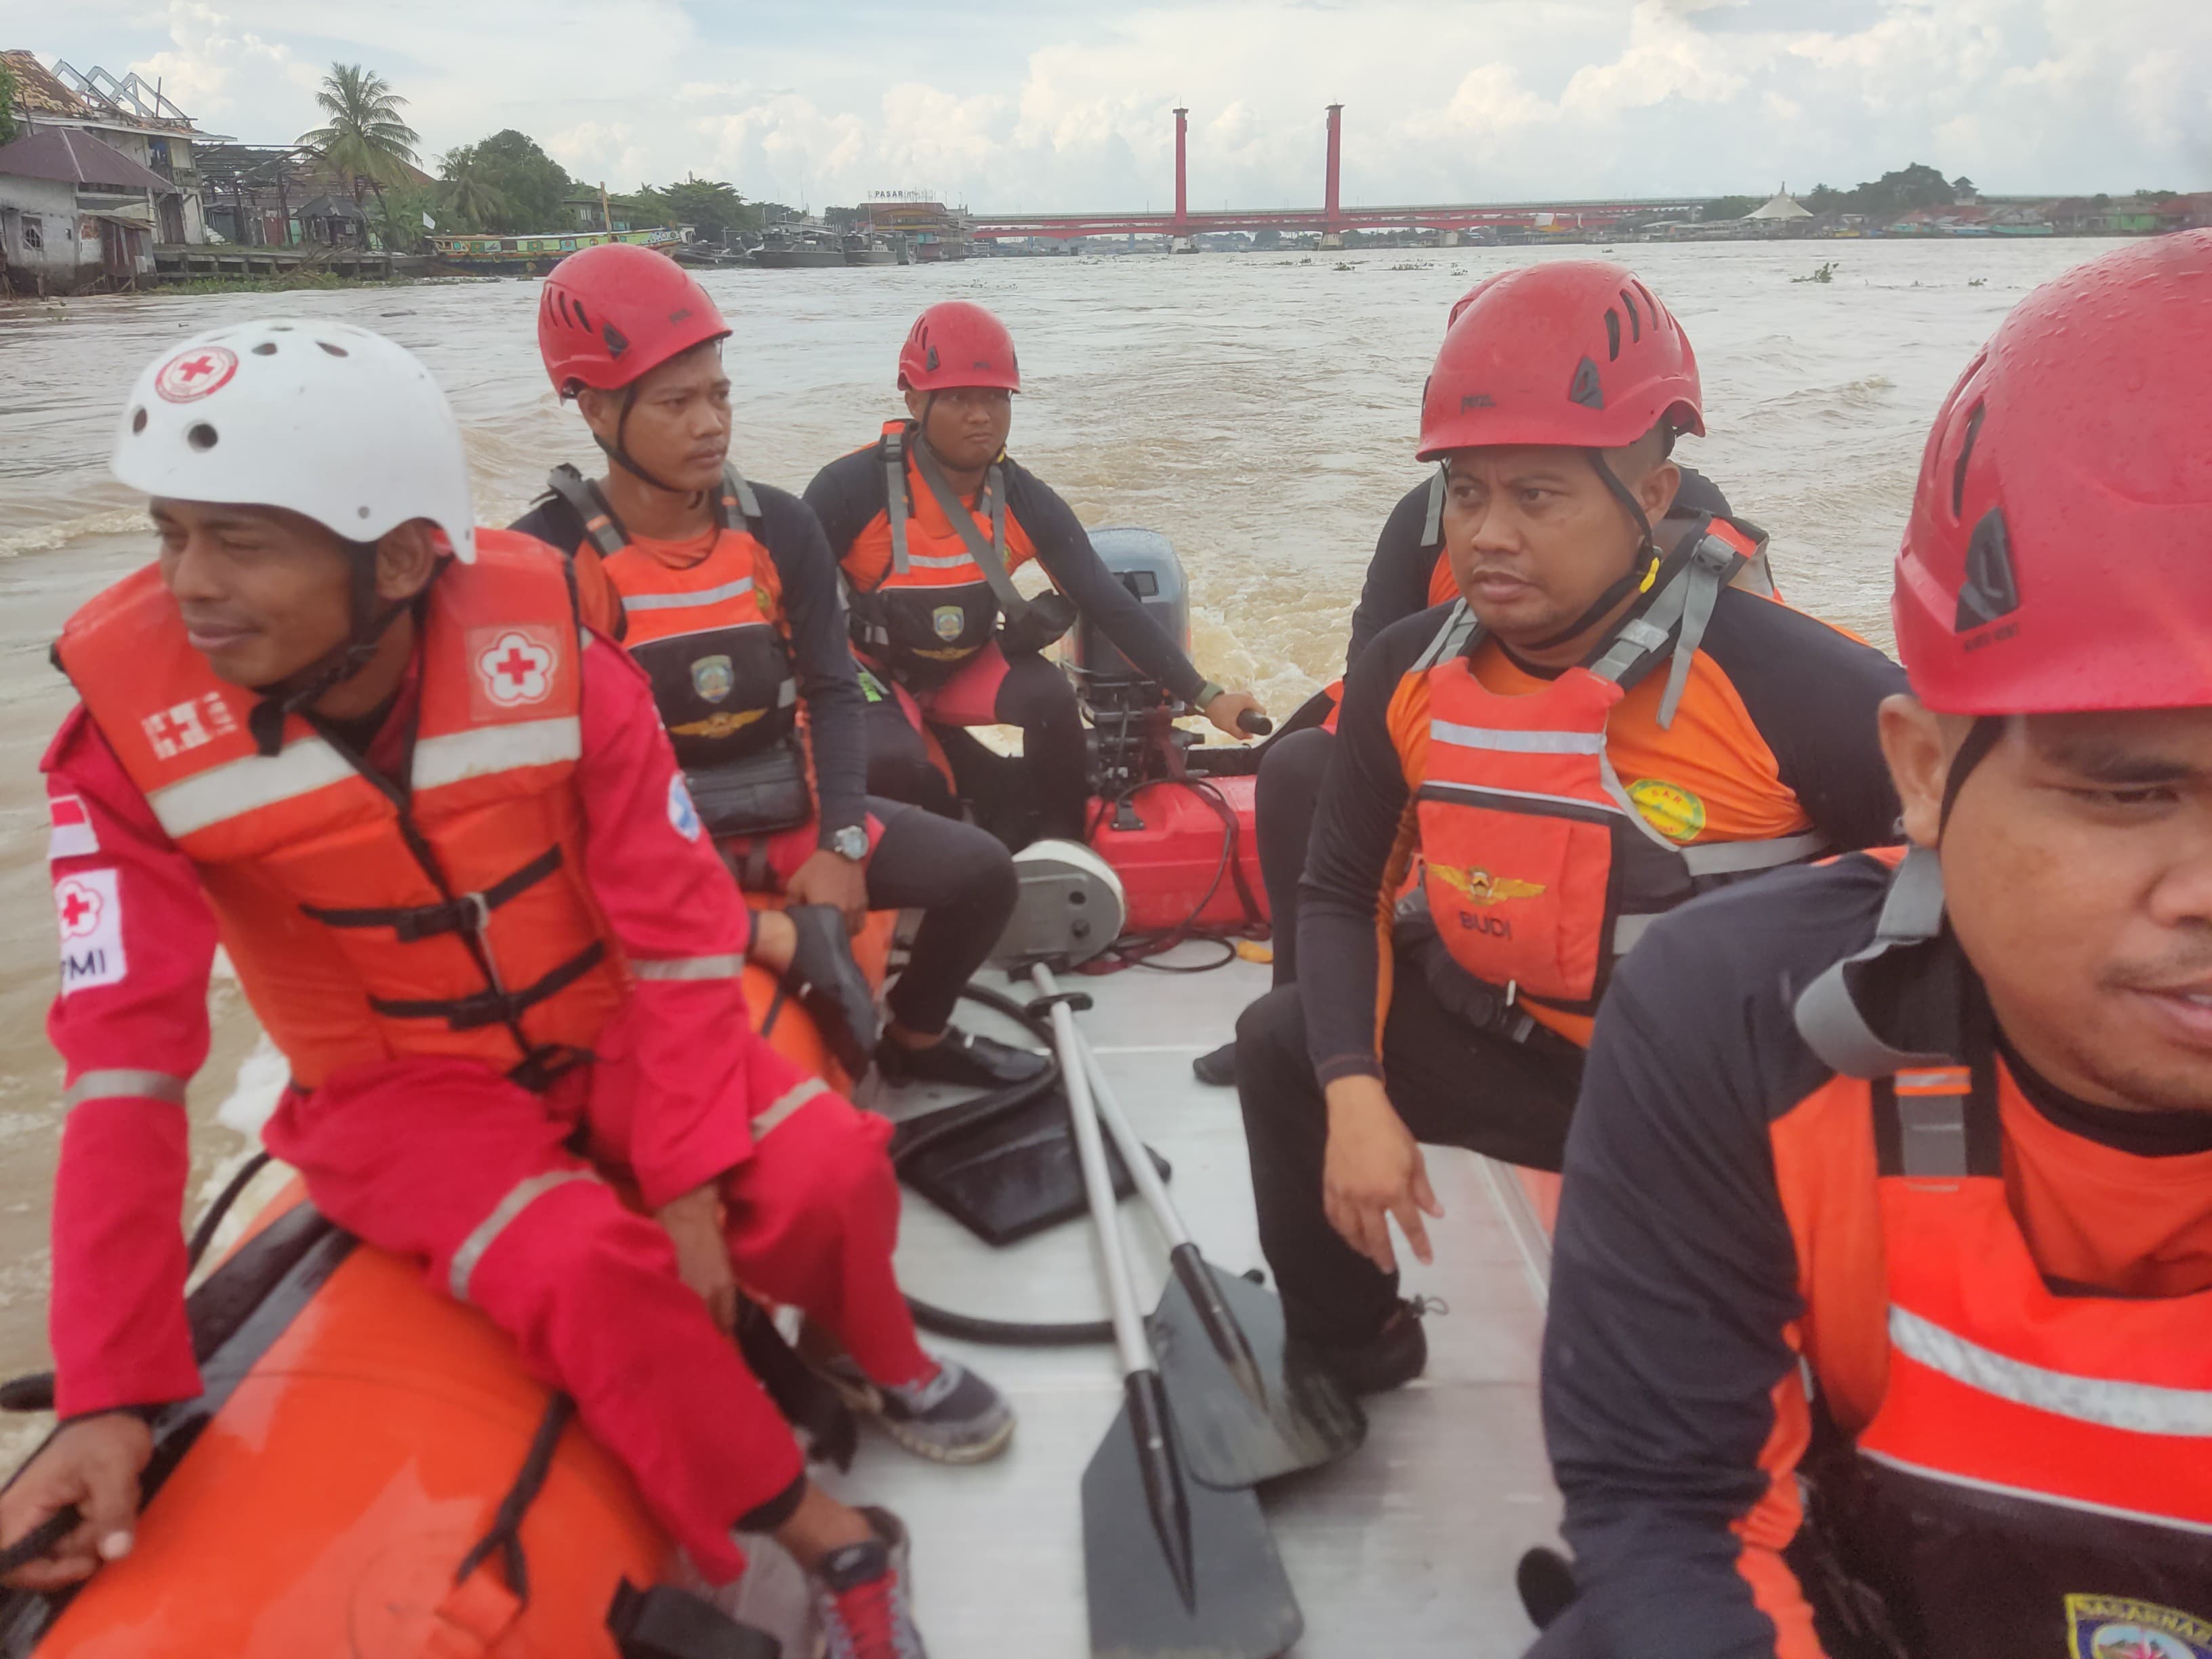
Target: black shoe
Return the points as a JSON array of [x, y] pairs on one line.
[[831, 988], [1390, 1359], [1216, 1067], [961, 1058]]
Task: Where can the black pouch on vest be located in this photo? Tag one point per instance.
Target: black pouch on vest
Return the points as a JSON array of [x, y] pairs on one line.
[[759, 795], [1040, 622]]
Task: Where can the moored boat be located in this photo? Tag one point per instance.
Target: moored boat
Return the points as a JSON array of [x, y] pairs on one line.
[[862, 249], [799, 247], [537, 252]]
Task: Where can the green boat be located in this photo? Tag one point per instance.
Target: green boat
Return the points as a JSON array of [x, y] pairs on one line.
[[537, 252]]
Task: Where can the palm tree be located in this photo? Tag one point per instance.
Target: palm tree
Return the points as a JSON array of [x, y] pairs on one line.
[[467, 192], [364, 138]]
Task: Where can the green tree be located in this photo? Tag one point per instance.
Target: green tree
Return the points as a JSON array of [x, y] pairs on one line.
[[364, 137], [1729, 207], [398, 220], [530, 186], [711, 205], [7, 104], [467, 196]]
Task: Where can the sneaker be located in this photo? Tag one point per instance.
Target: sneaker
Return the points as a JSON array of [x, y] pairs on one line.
[[864, 1596], [956, 1417], [963, 1059], [1217, 1066], [1390, 1358]]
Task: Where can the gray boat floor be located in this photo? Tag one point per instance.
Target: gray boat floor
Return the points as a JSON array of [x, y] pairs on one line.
[[1407, 1547]]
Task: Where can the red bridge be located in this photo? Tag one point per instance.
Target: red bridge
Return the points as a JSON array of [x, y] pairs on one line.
[[1331, 219]]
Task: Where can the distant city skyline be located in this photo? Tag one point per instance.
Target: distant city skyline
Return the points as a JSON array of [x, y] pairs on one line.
[[1048, 105]]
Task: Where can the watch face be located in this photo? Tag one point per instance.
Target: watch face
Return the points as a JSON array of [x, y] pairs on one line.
[[850, 842]]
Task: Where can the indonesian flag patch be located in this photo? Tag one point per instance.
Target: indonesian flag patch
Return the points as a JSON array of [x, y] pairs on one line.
[[71, 836]]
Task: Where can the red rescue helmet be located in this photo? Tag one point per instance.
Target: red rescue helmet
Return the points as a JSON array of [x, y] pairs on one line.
[[613, 313], [1578, 352], [2059, 553], [957, 343]]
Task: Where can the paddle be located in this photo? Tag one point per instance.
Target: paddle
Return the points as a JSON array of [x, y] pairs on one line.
[[1174, 1568], [1248, 1405]]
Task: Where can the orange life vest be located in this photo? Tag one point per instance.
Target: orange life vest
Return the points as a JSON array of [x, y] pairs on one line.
[[936, 598], [2033, 1441], [454, 921], [711, 636], [1538, 870]]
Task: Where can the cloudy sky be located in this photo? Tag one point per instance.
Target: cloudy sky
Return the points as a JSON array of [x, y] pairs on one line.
[[1039, 105]]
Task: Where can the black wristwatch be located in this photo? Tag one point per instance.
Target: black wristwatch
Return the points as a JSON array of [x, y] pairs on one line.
[[849, 844]]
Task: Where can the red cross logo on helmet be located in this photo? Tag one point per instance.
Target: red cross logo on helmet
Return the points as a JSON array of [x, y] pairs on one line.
[[195, 372]]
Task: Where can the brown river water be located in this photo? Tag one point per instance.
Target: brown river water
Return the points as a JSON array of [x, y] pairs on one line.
[[1259, 409]]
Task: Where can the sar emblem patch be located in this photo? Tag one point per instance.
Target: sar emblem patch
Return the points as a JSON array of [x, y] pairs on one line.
[[1480, 887], [949, 621], [515, 665], [2121, 1627], [1671, 809], [682, 816], [714, 678]]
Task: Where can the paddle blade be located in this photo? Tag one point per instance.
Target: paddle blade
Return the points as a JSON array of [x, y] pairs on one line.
[[1302, 1417], [1239, 1604]]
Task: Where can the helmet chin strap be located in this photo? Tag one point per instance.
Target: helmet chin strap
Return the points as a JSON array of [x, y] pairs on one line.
[[618, 451], [1981, 738], [1641, 566], [303, 688]]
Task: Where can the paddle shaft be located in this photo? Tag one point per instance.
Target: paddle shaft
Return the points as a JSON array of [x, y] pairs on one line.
[[1098, 1184], [1153, 1190]]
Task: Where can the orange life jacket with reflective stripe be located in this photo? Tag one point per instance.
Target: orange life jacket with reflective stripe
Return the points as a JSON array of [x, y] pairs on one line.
[[2032, 1440], [711, 635], [921, 602], [450, 918], [1537, 868]]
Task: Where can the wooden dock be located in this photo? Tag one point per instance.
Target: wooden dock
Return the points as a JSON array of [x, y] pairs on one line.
[[185, 262]]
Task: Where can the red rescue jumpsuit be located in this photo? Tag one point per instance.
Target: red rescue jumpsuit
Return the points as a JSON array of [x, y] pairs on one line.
[[447, 1162]]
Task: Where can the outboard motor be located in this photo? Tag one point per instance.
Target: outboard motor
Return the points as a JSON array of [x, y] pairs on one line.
[[1132, 716], [1145, 563]]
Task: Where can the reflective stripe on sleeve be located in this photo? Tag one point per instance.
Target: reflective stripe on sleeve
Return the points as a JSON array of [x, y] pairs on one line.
[[125, 1083], [721, 967], [520, 1197], [2137, 1407], [813, 1088]]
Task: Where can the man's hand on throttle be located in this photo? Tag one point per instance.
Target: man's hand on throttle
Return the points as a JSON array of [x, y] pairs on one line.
[[1224, 710], [1373, 1171]]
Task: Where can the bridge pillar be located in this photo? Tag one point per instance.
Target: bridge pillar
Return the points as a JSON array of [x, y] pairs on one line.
[[1330, 238], [1449, 239], [1329, 181], [1182, 173]]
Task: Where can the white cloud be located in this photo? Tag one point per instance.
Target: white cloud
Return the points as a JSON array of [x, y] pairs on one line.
[[1055, 105]]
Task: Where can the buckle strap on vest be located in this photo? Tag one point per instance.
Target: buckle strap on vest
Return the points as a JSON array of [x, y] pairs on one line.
[[468, 911], [987, 555], [896, 506], [494, 1006], [582, 498], [1432, 527], [1457, 637], [1828, 1014], [741, 508], [1680, 610]]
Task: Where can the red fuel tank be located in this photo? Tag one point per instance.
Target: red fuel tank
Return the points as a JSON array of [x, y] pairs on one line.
[[1168, 847]]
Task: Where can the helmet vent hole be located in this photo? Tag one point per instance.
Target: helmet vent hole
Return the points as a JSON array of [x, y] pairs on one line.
[[1965, 454], [1635, 318], [334, 351], [1990, 591], [580, 316], [1588, 390], [267, 349], [280, 328], [1612, 335], [138, 418], [201, 436], [1648, 300]]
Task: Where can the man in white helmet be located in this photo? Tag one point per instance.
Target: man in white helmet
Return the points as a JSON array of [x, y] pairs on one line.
[[436, 826]]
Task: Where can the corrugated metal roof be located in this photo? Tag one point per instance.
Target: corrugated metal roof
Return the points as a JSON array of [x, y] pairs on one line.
[[63, 155]]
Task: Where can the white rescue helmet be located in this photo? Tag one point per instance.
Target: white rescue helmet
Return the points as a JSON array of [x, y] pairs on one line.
[[323, 419]]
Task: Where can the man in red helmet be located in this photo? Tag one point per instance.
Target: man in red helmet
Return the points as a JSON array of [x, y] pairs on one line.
[[1598, 730], [726, 595], [1407, 574], [1881, 1311], [928, 523]]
